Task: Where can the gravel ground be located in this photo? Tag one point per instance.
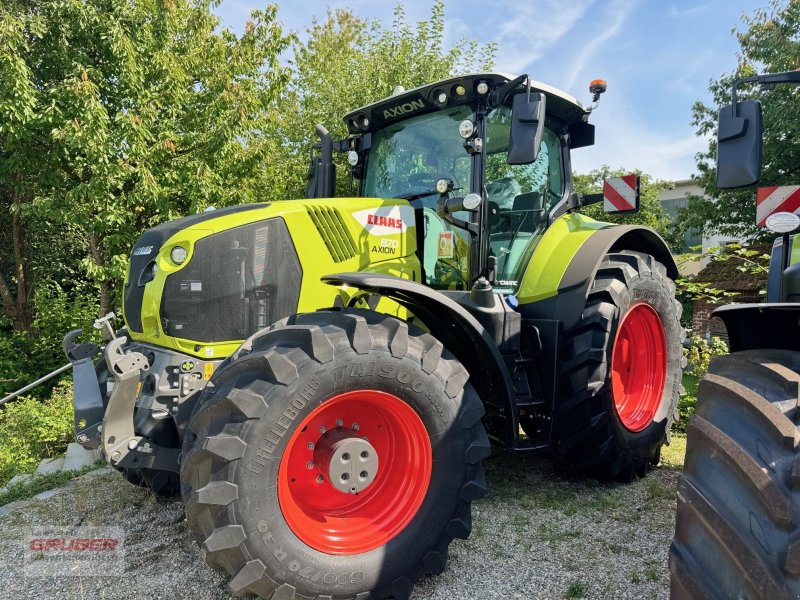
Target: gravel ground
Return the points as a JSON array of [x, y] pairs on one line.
[[538, 534]]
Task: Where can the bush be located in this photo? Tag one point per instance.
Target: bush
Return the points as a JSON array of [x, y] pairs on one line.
[[25, 358], [700, 352], [698, 356], [33, 429]]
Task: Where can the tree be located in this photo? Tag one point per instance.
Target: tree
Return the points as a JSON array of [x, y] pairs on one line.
[[348, 62], [770, 42], [116, 115], [651, 212]]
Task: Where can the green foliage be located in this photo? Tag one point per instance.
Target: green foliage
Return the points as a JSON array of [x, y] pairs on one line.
[[348, 62], [24, 358], [42, 483], [769, 42], [651, 212], [32, 429], [126, 114], [686, 402], [700, 352]]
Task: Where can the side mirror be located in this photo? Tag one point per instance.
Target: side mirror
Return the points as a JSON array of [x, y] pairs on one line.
[[527, 127], [621, 194], [739, 145]]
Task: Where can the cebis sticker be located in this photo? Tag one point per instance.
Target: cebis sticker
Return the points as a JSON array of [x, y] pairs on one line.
[[386, 220]]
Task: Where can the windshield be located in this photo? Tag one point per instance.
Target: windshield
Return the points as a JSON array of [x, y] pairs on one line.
[[409, 157]]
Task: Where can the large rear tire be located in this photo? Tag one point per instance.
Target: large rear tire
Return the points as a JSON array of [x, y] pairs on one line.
[[620, 371], [264, 470], [736, 533]]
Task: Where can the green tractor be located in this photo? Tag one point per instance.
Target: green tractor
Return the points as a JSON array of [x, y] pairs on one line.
[[737, 532], [320, 378]]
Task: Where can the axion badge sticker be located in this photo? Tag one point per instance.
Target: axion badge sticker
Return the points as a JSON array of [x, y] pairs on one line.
[[386, 220]]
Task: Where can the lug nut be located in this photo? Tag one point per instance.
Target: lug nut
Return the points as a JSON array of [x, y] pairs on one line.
[[355, 427], [310, 445], [320, 479], [310, 465], [322, 429], [339, 422]]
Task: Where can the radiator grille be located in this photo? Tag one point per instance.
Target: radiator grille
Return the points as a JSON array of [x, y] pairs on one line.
[[338, 240]]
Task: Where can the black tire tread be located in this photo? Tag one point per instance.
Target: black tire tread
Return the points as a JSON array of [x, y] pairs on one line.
[[744, 439], [313, 336], [584, 441]]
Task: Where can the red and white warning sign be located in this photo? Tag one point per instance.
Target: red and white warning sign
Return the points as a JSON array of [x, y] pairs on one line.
[[621, 194], [784, 198]]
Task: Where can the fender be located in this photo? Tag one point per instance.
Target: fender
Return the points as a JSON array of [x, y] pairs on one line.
[[556, 283], [761, 326], [461, 334]]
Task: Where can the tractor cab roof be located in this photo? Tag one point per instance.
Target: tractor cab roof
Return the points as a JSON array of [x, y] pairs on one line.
[[464, 89]]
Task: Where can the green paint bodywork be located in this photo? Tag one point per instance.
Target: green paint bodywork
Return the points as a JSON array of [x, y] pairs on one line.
[[315, 257], [375, 249], [794, 257], [553, 254]]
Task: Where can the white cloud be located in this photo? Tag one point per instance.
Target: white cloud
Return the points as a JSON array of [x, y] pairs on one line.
[[533, 28], [615, 15], [624, 142]]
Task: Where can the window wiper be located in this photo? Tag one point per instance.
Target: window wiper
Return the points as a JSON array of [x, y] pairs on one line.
[[416, 196]]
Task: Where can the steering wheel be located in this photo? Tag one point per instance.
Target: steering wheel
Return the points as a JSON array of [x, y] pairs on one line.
[[422, 179]]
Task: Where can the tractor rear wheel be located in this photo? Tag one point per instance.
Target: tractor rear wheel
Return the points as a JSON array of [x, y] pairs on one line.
[[336, 455], [736, 532], [620, 371]]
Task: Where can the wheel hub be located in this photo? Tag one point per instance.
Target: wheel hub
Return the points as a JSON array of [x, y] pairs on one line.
[[350, 462], [333, 493]]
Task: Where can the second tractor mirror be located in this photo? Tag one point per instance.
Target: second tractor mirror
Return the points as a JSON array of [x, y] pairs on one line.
[[739, 145], [527, 127]]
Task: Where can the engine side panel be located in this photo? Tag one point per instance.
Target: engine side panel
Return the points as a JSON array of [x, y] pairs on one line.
[[245, 270]]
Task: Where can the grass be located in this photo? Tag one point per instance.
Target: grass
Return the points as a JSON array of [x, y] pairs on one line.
[[576, 589], [41, 483], [672, 456]]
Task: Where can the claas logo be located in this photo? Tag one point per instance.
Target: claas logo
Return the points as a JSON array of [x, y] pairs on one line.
[[374, 219]]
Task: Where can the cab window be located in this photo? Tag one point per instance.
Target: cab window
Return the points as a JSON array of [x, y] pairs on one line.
[[520, 196]]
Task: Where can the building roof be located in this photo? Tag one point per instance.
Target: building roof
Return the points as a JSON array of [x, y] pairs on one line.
[[727, 274]]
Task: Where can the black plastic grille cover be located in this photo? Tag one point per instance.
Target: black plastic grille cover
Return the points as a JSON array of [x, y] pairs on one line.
[[144, 254], [237, 282]]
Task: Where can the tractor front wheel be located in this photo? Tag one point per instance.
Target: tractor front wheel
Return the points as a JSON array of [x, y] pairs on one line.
[[335, 456], [620, 371]]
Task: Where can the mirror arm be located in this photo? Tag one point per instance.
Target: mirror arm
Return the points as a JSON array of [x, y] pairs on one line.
[[765, 79], [499, 95]]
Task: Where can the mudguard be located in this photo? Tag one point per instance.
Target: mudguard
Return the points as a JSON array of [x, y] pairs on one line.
[[761, 326], [461, 334], [556, 282]]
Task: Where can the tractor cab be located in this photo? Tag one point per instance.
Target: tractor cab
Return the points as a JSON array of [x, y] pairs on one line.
[[484, 160]]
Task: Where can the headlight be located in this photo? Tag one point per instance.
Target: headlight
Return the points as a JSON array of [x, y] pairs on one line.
[[178, 255], [466, 128]]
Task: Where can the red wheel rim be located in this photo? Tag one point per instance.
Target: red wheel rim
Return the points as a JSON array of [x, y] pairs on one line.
[[335, 522], [639, 366]]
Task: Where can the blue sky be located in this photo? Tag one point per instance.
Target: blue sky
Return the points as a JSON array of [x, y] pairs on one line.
[[657, 56]]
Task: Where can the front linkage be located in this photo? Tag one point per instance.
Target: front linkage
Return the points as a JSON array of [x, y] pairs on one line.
[[109, 424]]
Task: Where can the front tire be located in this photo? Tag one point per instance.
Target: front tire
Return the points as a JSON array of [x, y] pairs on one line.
[[264, 459], [620, 371]]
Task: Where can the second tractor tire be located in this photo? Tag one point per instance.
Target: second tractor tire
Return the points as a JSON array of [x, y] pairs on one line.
[[620, 371], [736, 532]]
